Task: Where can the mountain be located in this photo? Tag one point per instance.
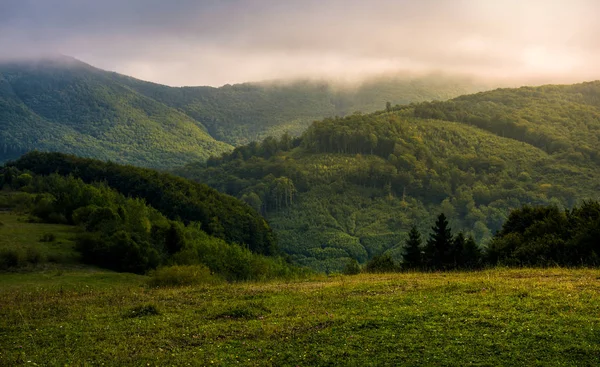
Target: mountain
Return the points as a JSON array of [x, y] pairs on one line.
[[352, 187], [62, 104], [241, 113]]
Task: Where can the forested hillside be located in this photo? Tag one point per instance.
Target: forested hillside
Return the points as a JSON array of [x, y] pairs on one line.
[[62, 104], [353, 187], [239, 114], [65, 105], [557, 119], [134, 219]]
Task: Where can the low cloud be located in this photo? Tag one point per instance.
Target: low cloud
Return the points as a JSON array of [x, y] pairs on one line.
[[215, 42]]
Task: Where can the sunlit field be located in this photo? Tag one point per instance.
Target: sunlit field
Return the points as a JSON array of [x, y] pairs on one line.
[[494, 317]]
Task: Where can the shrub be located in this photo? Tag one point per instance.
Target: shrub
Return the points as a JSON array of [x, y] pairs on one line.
[[181, 275], [34, 256], [10, 258], [120, 252], [382, 264], [56, 258], [352, 268]]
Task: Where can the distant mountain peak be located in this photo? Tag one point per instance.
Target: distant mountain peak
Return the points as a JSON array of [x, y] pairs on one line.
[[50, 60]]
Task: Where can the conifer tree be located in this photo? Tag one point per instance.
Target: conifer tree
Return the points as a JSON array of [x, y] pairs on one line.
[[412, 256], [439, 244], [471, 254], [454, 255]]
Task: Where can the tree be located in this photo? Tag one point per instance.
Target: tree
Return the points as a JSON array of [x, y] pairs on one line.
[[381, 264], [439, 243], [352, 267], [471, 254], [388, 106], [412, 250], [453, 257]]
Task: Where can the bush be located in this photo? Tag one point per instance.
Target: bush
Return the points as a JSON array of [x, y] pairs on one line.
[[120, 251], [34, 256], [352, 268], [181, 275], [382, 264], [10, 258]]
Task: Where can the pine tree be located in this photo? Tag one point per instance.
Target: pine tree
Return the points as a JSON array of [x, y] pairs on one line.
[[439, 244], [454, 255], [471, 254], [412, 250]]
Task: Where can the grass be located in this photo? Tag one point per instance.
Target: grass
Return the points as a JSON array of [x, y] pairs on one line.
[[543, 317], [37, 243]]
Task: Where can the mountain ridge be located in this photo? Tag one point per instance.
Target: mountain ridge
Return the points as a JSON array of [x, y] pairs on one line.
[[357, 184], [62, 104]]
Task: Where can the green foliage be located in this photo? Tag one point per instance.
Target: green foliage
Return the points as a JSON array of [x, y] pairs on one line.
[[125, 234], [243, 113], [361, 182], [352, 268], [61, 104], [545, 235], [412, 257], [560, 120], [10, 259], [471, 255], [381, 264], [68, 106], [439, 249], [175, 197]]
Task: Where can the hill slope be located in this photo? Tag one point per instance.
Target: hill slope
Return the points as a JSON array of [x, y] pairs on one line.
[[62, 104], [68, 106], [352, 187], [239, 114]]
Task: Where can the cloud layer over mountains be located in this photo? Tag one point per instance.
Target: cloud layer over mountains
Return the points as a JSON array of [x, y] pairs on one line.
[[212, 42]]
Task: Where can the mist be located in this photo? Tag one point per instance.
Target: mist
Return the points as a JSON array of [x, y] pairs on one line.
[[215, 42]]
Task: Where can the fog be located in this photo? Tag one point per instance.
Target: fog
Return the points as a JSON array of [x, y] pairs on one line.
[[214, 42]]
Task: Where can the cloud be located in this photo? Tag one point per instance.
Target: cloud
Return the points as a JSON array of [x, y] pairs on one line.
[[188, 42]]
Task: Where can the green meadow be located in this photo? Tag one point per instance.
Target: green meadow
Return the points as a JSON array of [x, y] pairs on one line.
[[497, 317]]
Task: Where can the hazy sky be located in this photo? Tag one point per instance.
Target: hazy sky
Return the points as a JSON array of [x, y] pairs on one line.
[[213, 42]]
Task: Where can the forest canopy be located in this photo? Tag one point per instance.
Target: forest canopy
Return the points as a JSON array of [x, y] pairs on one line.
[[352, 187]]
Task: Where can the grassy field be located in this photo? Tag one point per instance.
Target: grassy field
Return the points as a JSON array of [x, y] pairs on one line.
[[36, 244], [544, 317]]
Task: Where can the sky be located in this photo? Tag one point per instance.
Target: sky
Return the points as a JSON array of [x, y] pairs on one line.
[[214, 42]]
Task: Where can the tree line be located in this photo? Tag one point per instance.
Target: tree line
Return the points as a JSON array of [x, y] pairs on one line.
[[219, 215], [531, 236], [121, 232]]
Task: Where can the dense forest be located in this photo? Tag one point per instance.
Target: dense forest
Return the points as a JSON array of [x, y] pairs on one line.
[[242, 113], [135, 220], [179, 199], [347, 188], [352, 188], [61, 104], [64, 105], [531, 236]]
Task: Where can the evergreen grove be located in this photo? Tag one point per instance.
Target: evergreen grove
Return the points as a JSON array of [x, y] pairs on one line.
[[532, 236]]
